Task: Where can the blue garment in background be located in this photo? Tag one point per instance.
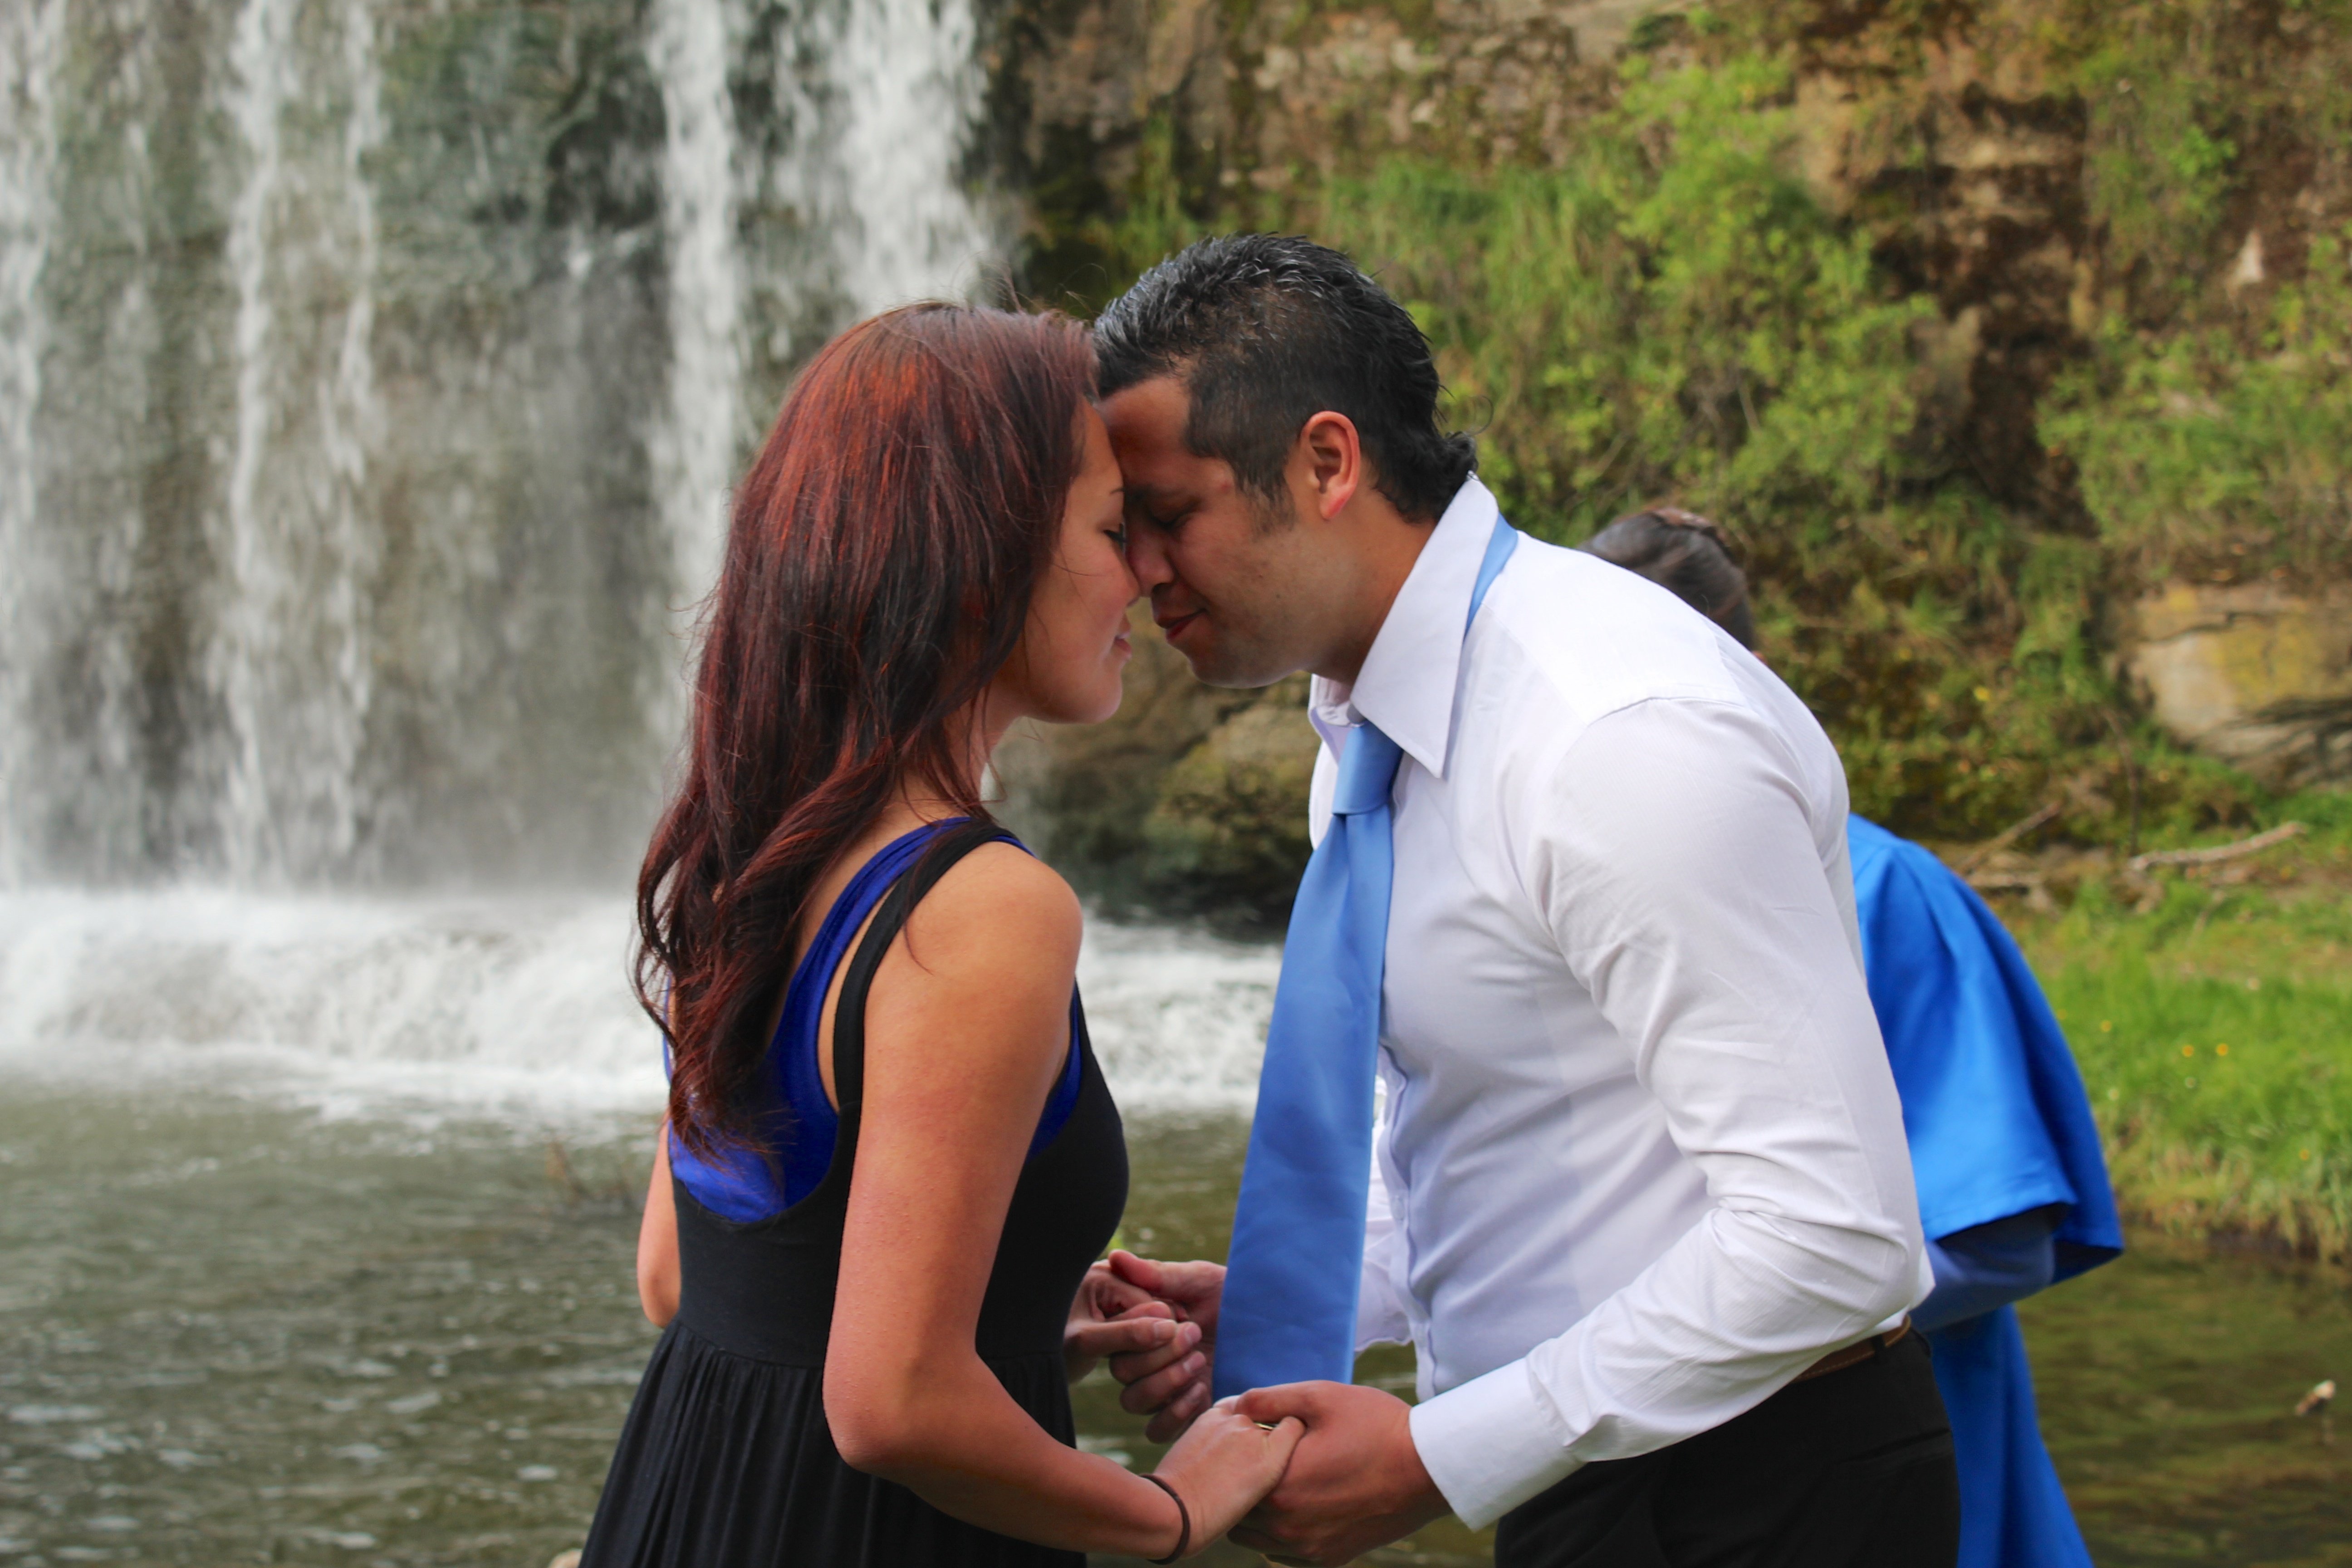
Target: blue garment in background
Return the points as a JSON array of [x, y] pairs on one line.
[[1998, 1127]]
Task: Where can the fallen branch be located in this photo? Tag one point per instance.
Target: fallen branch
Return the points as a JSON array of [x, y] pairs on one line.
[[2030, 883], [2005, 837], [2219, 852]]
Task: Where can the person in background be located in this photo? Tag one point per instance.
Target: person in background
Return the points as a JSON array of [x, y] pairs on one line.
[[2012, 1190], [890, 1157]]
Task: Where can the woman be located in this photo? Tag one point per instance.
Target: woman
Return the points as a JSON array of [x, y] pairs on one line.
[[2012, 1188], [890, 1156]]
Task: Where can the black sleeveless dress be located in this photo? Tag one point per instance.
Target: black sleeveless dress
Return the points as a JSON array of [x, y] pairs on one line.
[[726, 1460]]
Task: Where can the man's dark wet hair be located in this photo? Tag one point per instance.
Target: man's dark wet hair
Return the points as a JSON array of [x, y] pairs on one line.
[[1685, 554], [1267, 331]]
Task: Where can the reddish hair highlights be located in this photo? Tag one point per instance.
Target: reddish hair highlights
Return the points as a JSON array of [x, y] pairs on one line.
[[879, 565]]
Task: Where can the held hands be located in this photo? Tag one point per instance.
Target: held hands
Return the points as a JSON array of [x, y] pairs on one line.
[[1355, 1482], [1168, 1380], [1225, 1464], [1110, 1317], [1158, 1324]]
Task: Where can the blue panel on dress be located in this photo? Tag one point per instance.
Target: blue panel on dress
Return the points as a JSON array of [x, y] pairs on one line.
[[801, 1127]]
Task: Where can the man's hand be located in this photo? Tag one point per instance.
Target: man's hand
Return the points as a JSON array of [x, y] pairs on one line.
[[1169, 1382], [1109, 1317], [1355, 1482]]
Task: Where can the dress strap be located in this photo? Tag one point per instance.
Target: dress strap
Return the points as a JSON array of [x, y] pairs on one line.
[[849, 1011]]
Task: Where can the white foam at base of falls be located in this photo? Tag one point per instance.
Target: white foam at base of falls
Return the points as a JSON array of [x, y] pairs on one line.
[[508, 1009], [1178, 1018]]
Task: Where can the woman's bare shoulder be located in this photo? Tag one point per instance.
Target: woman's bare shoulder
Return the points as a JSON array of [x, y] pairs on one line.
[[1002, 911]]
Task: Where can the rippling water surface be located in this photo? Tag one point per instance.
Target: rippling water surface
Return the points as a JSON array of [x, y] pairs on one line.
[[317, 1219]]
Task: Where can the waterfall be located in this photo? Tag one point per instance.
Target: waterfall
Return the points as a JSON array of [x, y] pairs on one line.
[[30, 35], [908, 72], [698, 449], [291, 663], [371, 378]]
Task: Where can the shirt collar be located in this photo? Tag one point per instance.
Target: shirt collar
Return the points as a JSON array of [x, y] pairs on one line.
[[1406, 686]]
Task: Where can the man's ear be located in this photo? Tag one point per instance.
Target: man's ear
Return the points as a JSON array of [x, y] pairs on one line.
[[1331, 457]]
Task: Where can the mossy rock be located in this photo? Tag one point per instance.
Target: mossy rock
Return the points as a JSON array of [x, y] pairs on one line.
[[1227, 834]]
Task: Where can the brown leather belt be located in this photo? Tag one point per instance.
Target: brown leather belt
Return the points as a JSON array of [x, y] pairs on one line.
[[1854, 1355]]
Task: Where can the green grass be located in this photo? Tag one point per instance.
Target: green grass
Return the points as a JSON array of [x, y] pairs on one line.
[[2214, 1032]]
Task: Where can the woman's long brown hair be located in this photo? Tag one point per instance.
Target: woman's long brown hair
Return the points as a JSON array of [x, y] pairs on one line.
[[880, 560]]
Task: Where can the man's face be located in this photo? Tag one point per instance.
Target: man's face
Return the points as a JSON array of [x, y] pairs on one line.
[[1231, 576]]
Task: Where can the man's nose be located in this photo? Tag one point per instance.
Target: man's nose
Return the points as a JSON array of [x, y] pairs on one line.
[[1147, 557]]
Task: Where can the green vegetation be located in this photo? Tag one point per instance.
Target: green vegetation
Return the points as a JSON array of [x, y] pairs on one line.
[[2197, 454], [2208, 419], [1676, 315], [1946, 485], [2214, 1032]]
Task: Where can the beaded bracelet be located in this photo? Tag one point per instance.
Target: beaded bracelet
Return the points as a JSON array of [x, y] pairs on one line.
[[1183, 1522]]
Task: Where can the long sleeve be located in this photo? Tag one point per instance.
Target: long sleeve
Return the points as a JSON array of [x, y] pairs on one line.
[[1990, 1266], [1672, 854]]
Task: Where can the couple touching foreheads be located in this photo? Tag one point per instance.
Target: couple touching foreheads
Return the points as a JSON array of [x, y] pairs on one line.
[[1639, 1198]]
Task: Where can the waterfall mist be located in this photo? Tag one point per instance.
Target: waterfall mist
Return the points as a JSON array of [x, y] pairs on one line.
[[372, 376]]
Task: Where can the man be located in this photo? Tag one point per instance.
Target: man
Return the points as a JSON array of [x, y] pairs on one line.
[[2013, 1187], [1647, 1215]]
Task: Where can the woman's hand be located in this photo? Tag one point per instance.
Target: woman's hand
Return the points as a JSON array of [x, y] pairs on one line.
[[1110, 1317], [1170, 1384], [1224, 1465]]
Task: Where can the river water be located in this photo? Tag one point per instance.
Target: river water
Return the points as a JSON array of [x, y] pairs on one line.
[[317, 1217]]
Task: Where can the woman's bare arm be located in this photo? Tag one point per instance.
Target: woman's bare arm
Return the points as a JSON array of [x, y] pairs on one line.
[[657, 1241], [966, 1030]]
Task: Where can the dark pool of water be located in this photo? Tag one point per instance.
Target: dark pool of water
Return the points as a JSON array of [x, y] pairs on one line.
[[232, 1333]]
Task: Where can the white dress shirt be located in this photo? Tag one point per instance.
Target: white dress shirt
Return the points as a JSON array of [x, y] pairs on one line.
[[1642, 1160]]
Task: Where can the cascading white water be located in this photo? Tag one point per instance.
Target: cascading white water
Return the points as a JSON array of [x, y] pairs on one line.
[[290, 660], [374, 376], [696, 451], [511, 1008], [863, 159], [906, 71], [30, 36]]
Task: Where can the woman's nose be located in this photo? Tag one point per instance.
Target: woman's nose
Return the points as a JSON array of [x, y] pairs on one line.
[[1147, 558]]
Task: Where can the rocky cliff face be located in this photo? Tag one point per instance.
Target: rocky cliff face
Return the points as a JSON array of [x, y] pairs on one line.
[[2062, 180], [1987, 147]]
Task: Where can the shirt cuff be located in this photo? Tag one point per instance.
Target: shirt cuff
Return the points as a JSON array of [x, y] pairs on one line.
[[1489, 1445]]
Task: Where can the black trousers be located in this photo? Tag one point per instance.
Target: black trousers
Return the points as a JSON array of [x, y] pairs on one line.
[[1849, 1469]]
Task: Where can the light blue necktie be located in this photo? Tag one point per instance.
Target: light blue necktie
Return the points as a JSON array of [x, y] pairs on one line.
[[1290, 1307]]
